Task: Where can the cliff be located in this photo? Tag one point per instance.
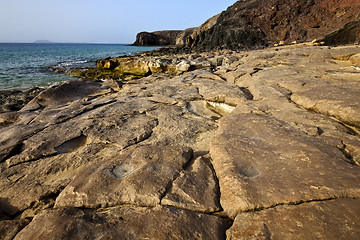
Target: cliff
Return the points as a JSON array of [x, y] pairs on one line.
[[158, 38], [253, 24], [259, 23]]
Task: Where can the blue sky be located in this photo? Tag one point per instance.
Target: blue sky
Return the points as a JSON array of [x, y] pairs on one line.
[[101, 21]]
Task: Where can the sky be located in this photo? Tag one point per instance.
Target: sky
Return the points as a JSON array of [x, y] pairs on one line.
[[100, 21]]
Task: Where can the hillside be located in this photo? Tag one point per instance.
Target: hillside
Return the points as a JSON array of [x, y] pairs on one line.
[[259, 23]]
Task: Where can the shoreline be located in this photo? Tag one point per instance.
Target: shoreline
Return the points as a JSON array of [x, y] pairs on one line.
[[172, 149], [189, 62], [25, 66]]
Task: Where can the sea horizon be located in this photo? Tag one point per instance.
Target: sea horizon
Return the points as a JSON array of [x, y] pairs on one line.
[[26, 65], [51, 42]]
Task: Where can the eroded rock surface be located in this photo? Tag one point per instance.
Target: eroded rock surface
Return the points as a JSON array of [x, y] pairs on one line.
[[139, 176], [262, 162], [333, 219], [125, 222], [196, 189], [250, 140]]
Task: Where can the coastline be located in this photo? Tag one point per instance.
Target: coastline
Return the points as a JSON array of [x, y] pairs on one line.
[[27, 65], [221, 137], [172, 147]]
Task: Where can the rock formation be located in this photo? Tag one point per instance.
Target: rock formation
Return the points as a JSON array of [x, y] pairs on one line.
[[186, 37], [259, 23], [158, 38], [348, 34], [257, 145], [256, 24]]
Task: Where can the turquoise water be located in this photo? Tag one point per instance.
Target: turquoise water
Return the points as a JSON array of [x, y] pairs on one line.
[[24, 65]]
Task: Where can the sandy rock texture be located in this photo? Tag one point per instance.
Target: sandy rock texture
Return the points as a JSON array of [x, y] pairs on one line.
[[253, 145]]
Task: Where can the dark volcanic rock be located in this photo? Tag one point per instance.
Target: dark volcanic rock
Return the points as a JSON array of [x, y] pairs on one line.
[[350, 33], [257, 23], [159, 38]]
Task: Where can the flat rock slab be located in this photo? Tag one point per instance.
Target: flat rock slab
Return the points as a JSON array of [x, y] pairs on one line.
[[66, 93], [196, 189], [335, 219], [139, 176], [124, 223], [262, 162], [33, 184], [332, 101]]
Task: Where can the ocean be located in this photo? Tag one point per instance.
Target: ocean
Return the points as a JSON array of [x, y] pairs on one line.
[[25, 65]]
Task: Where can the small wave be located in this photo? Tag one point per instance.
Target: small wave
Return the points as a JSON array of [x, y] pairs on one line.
[[69, 63]]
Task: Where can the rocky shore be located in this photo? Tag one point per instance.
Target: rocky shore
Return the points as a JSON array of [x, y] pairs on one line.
[[261, 144], [203, 141]]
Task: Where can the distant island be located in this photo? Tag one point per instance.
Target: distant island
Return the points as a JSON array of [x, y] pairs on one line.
[[43, 41]]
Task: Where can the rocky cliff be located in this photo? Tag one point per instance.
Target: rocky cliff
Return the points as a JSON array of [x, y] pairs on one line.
[[258, 23], [158, 38], [185, 38]]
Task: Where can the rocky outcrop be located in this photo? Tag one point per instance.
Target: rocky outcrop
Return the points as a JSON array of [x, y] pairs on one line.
[[258, 23], [182, 38], [158, 38], [125, 68], [257, 145], [186, 38], [349, 34]]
